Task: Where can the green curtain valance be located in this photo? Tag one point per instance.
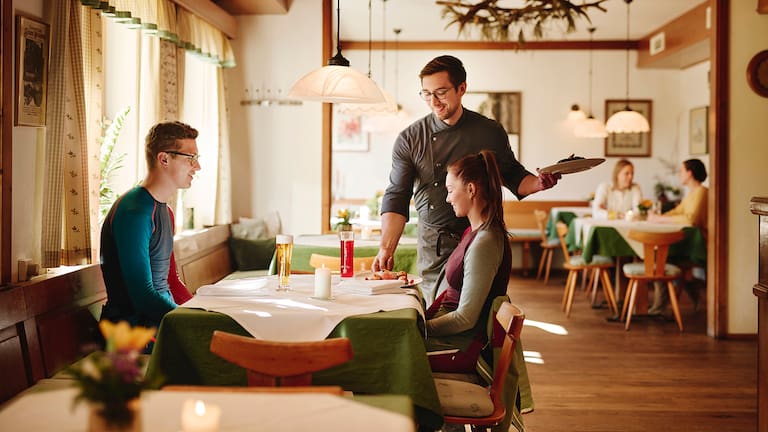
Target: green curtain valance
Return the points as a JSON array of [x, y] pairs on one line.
[[165, 20]]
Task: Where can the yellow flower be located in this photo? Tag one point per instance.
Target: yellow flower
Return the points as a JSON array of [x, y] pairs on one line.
[[645, 204], [343, 214], [123, 337]]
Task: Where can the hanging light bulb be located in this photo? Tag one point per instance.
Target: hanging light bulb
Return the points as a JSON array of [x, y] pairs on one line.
[[627, 121], [337, 82], [576, 114], [590, 127], [388, 106]]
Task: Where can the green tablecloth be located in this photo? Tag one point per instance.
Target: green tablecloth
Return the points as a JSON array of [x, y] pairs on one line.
[[603, 240], [562, 216], [389, 357]]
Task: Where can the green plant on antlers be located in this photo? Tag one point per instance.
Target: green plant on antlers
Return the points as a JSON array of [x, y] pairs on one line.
[[497, 23], [109, 162]]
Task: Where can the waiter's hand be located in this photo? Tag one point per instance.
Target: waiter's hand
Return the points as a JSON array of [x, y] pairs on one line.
[[547, 180], [383, 261]]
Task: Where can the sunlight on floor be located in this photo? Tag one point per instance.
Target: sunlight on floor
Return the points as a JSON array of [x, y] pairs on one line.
[[547, 327], [533, 357]]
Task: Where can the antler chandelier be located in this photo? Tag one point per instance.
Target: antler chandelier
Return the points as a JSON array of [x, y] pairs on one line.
[[496, 22]]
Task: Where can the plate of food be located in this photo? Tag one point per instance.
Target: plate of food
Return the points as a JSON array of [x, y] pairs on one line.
[[572, 164], [408, 279]]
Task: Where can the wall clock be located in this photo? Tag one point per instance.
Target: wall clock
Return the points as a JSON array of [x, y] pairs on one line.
[[757, 73]]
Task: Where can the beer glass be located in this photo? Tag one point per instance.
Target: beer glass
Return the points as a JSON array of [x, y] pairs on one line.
[[347, 253], [284, 251]]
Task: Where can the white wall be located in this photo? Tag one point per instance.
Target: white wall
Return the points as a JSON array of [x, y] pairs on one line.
[[26, 199], [747, 159], [283, 142]]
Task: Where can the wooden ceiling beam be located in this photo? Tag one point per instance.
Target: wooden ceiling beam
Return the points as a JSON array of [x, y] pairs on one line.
[[679, 43], [492, 45], [213, 14]]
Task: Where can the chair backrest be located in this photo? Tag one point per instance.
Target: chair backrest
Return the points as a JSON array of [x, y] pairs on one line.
[[541, 221], [562, 231], [272, 363], [656, 248], [511, 318], [334, 263]]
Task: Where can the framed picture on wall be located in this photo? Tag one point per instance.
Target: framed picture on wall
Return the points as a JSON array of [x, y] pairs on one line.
[[629, 144], [504, 107], [348, 134], [697, 131], [32, 46]]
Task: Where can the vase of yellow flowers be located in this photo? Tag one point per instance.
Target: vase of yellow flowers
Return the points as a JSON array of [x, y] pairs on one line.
[[343, 224], [643, 208], [111, 381]]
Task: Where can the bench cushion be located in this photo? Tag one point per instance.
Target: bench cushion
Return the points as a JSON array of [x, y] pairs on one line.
[[251, 254]]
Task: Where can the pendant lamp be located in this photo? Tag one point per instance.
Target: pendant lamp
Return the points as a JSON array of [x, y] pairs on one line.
[[627, 121], [337, 82], [388, 106], [590, 127]]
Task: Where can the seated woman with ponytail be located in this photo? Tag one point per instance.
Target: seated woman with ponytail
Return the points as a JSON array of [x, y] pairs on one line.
[[478, 269]]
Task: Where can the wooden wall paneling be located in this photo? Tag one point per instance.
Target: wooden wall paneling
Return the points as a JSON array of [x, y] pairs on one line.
[[31, 344], [208, 269], [492, 45], [12, 307], [12, 368], [6, 138], [66, 335], [759, 206]]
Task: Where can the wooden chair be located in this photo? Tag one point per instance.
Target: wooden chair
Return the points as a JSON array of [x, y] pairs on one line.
[[576, 264], [280, 363], [654, 268], [334, 263], [548, 246], [233, 389], [467, 403]]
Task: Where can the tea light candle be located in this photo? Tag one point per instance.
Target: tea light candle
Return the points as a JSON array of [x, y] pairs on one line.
[[323, 282], [196, 416], [629, 216]]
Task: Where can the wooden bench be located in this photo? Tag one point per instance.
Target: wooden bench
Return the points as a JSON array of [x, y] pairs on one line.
[[521, 223], [203, 257]]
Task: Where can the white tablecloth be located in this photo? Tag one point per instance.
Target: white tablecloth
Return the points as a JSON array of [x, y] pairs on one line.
[[584, 225], [161, 412], [578, 211], [293, 316]]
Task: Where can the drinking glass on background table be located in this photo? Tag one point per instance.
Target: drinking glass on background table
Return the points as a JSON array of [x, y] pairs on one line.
[[347, 253], [284, 252], [656, 209]]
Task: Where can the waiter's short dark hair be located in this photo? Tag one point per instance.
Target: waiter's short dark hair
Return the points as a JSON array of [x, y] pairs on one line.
[[447, 63]]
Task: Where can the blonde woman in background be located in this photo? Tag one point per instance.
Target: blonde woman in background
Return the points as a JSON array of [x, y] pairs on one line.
[[617, 197]]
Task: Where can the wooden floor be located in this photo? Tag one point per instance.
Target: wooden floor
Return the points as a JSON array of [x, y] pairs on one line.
[[588, 374]]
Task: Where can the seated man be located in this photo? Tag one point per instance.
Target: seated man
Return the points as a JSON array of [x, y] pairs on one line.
[[137, 234]]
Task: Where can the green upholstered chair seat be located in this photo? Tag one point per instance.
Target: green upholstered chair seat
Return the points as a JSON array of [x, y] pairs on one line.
[[524, 233], [638, 269], [578, 260], [463, 399]]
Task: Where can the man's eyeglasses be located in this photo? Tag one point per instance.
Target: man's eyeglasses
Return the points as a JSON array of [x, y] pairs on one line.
[[440, 94], [191, 158]]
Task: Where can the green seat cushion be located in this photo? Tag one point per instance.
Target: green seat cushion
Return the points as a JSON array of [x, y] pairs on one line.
[[251, 254], [524, 233], [638, 269], [463, 399], [578, 260]]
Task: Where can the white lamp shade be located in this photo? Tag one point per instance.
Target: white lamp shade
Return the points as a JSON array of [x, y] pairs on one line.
[[387, 123], [627, 122], [336, 84], [590, 128], [389, 106]]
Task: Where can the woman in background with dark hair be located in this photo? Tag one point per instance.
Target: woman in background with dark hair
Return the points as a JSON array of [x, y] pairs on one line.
[[692, 210], [478, 269]]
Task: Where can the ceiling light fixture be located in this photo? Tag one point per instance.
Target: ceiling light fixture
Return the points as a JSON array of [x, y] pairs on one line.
[[576, 114], [399, 120], [590, 127], [627, 121], [337, 82]]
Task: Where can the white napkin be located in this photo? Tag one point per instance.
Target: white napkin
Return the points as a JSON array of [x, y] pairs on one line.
[[235, 288], [371, 287]]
